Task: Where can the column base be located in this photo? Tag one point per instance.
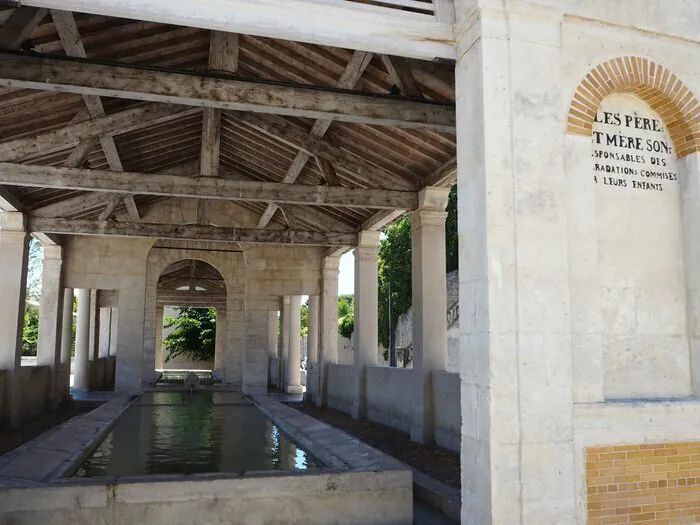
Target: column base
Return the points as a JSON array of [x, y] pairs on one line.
[[422, 434], [294, 389]]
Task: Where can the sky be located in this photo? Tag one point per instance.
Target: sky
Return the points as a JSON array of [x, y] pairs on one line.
[[346, 274]]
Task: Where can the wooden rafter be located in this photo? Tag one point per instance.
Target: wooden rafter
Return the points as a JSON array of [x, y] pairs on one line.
[[68, 32], [18, 27], [352, 73]]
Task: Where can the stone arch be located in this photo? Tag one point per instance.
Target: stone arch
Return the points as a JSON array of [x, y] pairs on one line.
[[231, 266], [662, 90]]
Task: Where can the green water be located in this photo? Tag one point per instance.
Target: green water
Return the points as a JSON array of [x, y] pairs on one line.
[[181, 433]]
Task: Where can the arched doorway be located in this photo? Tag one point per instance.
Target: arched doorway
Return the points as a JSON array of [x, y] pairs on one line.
[[190, 319]]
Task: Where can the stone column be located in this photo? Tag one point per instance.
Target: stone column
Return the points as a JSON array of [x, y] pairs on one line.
[[115, 330], [66, 343], [14, 252], [160, 347], [284, 340], [328, 342], [94, 343], [312, 348], [272, 343], [67, 328], [81, 374], [105, 318], [517, 445], [429, 306], [50, 320], [293, 375], [366, 316], [220, 343]]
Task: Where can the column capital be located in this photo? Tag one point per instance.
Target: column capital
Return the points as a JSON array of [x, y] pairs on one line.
[[330, 263], [433, 198], [422, 218], [13, 221], [286, 300], [368, 239], [53, 252]]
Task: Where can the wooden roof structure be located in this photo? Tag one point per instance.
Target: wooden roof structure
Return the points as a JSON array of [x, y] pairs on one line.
[[309, 138]]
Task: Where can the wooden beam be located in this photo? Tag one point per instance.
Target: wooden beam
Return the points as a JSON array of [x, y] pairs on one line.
[[73, 134], [356, 66], [86, 77], [193, 232], [400, 72], [202, 187], [80, 153], [445, 175], [378, 221], [8, 202], [18, 27], [366, 27], [223, 56], [328, 172], [68, 32]]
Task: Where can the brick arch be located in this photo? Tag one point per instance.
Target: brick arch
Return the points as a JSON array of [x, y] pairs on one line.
[[663, 91]]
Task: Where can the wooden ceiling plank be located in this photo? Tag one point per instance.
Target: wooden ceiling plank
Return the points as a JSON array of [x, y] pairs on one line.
[[18, 27]]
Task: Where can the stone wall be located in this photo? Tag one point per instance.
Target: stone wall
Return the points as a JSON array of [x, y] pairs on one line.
[[35, 382], [341, 385], [388, 396], [342, 498], [448, 411]]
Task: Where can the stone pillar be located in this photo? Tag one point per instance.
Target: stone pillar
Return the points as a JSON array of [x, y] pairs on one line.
[[50, 320], [160, 347], [66, 344], [312, 348], [14, 252], [429, 306], [81, 374], [293, 375], [221, 338], [284, 340], [94, 383], [517, 445], [115, 330], [272, 343], [328, 342], [67, 328], [366, 316], [272, 321], [105, 318]]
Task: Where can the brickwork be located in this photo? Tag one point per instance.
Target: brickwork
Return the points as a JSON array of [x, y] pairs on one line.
[[658, 87], [650, 484]]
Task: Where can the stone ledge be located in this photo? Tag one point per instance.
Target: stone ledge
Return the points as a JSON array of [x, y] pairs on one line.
[[55, 453]]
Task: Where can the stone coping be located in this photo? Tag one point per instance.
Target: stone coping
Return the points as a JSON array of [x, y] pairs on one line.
[[339, 449], [56, 452], [332, 446]]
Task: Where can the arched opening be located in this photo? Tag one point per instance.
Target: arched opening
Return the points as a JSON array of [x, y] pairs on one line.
[[190, 321]]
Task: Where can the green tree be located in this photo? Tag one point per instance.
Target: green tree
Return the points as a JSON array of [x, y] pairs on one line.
[[30, 332], [346, 315], [194, 334], [305, 319], [395, 266]]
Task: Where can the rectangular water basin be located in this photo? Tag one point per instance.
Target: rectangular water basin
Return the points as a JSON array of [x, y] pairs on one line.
[[184, 433]]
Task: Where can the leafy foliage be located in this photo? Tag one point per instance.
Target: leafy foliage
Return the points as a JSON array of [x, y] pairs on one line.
[[346, 315], [305, 319], [30, 332], [194, 334], [34, 267], [395, 267]]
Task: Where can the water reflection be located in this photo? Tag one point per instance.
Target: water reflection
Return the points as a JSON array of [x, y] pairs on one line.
[[172, 433]]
